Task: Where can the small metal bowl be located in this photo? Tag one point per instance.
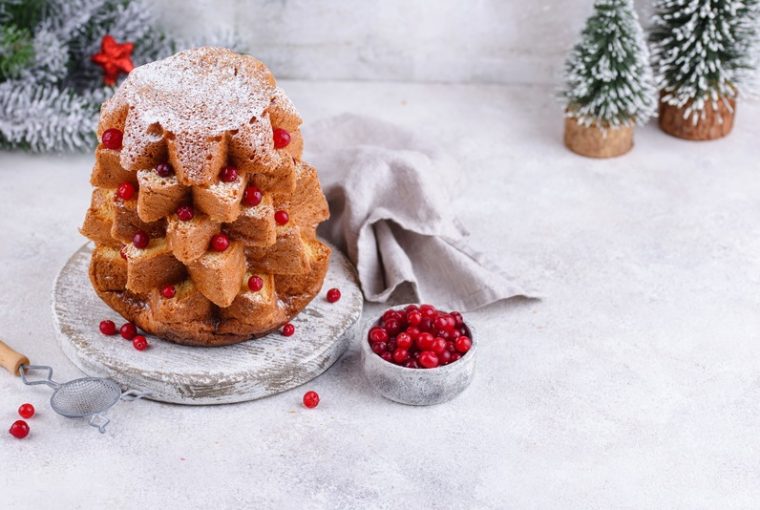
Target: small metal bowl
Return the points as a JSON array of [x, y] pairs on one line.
[[418, 386]]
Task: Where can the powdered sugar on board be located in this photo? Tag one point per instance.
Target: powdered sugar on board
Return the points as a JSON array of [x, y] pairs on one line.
[[198, 375]]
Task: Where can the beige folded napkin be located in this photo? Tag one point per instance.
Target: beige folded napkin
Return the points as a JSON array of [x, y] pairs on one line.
[[390, 215]]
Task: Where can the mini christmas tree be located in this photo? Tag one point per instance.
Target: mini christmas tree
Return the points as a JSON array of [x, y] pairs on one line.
[[609, 82], [700, 50]]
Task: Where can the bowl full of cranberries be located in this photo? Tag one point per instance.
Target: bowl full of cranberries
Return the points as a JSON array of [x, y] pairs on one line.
[[419, 355]]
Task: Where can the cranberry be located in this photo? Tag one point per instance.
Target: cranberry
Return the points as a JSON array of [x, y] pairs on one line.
[[441, 324], [387, 356], [444, 357], [168, 291], [281, 217], [220, 242], [123, 252], [19, 429], [379, 347], [378, 334], [411, 364], [391, 345], [455, 356], [458, 320], [281, 138], [411, 308], [413, 333], [428, 359], [185, 213], [404, 341], [255, 283], [439, 346], [463, 344], [125, 191], [229, 174], [252, 196], [414, 318], [425, 341], [428, 311], [128, 330], [107, 328], [400, 356], [26, 410], [140, 343], [426, 324], [164, 170], [391, 314], [311, 399], [393, 326], [140, 239], [288, 329], [333, 295], [450, 346], [112, 139]]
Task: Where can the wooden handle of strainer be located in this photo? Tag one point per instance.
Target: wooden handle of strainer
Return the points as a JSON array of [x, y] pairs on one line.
[[11, 360]]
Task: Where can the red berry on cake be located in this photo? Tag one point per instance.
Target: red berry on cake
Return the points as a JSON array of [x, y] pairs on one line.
[[125, 191], [168, 291], [26, 410], [112, 139], [228, 174], [185, 213], [107, 327], [140, 343], [128, 331], [255, 283], [311, 399], [164, 170], [281, 217], [281, 138], [220, 242], [140, 239], [288, 329], [333, 295], [123, 252], [252, 196], [19, 429]]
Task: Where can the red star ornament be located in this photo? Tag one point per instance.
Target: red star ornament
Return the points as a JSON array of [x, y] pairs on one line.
[[114, 58]]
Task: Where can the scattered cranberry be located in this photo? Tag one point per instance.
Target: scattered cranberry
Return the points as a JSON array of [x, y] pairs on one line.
[[140, 343], [281, 138], [281, 217], [220, 242], [463, 344], [229, 174], [164, 170], [112, 139], [107, 328], [26, 410], [185, 213], [378, 335], [288, 329], [428, 359], [19, 429], [255, 283], [140, 239], [333, 295], [128, 331], [252, 196], [311, 399], [168, 291], [125, 191]]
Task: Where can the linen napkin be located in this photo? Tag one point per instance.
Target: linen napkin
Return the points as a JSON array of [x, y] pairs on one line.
[[390, 215]]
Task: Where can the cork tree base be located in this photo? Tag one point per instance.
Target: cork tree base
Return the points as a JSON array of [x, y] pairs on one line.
[[593, 142], [716, 123]]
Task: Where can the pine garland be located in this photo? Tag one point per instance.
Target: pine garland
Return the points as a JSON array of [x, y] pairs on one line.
[[51, 92], [608, 77], [702, 50]]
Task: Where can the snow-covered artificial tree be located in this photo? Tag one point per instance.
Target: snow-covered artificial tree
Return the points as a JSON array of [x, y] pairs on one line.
[[609, 86], [701, 51], [59, 59]]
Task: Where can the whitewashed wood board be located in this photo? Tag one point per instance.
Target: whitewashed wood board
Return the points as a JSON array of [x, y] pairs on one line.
[[206, 375]]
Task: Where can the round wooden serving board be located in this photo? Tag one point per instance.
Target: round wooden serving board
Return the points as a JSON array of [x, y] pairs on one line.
[[206, 375]]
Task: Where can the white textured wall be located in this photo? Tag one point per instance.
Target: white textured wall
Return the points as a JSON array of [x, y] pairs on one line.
[[499, 41]]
